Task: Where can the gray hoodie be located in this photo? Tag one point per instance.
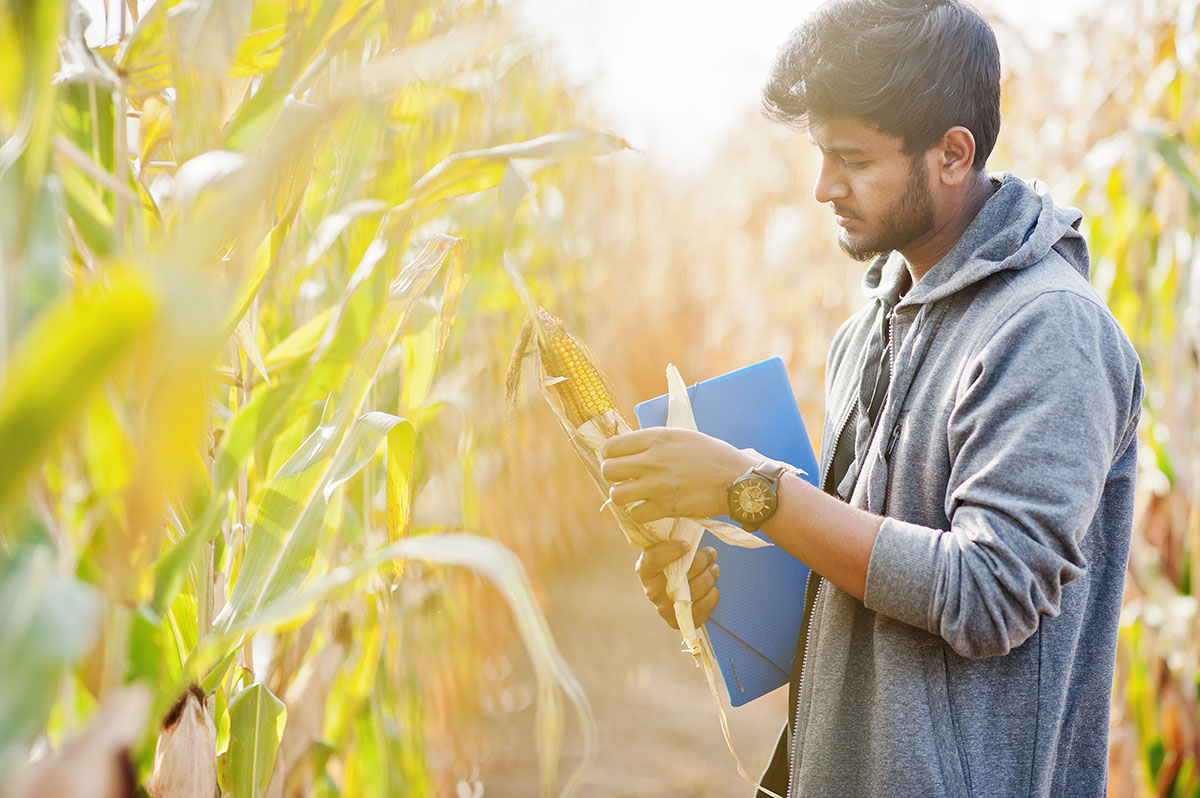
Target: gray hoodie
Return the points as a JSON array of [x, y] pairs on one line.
[[1004, 456]]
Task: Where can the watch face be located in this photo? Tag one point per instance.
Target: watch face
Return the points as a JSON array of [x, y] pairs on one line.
[[753, 499]]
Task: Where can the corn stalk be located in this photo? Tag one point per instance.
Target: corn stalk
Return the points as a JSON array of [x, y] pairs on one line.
[[226, 284]]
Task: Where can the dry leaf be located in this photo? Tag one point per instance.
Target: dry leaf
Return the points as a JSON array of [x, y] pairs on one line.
[[96, 763], [185, 759], [306, 699]]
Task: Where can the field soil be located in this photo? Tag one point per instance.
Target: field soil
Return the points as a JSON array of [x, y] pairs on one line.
[[658, 731]]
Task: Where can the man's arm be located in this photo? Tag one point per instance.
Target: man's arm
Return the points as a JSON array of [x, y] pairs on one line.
[[677, 472], [1040, 415]]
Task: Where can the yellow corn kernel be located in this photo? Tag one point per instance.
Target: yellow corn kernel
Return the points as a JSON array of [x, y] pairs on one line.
[[583, 392]]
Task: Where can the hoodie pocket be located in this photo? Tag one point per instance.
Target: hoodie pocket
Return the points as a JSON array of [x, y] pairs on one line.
[[955, 772]]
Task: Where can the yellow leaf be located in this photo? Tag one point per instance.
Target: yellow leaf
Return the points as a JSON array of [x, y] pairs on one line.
[[401, 447], [155, 127], [243, 334]]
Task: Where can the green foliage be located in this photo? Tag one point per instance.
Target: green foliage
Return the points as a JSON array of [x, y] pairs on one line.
[[256, 722], [233, 270], [1140, 192], [50, 621]]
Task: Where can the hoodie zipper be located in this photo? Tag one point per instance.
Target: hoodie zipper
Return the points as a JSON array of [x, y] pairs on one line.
[[806, 623], [795, 746], [889, 321], [895, 433]]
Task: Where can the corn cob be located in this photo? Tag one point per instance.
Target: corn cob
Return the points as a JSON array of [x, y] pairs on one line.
[[584, 404], [584, 393]]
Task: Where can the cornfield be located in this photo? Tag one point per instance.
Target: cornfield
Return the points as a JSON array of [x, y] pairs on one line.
[[260, 491]]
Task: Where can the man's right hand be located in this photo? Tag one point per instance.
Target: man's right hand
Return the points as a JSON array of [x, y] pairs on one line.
[[702, 579]]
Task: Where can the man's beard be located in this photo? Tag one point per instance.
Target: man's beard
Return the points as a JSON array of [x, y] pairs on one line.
[[907, 220]]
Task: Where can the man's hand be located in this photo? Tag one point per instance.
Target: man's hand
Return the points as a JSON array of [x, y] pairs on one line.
[[702, 579], [665, 472]]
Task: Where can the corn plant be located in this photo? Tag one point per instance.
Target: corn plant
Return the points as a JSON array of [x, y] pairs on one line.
[[230, 281]]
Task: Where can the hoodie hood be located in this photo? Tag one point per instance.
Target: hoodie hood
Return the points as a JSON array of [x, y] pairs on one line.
[[1018, 226]]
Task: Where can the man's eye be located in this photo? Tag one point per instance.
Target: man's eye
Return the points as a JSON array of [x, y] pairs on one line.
[[853, 164]]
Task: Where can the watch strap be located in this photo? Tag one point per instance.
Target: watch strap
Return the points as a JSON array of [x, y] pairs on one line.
[[771, 472]]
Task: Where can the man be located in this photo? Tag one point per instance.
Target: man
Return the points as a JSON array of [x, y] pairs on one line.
[[978, 453]]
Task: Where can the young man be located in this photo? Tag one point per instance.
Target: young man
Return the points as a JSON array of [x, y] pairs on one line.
[[978, 452]]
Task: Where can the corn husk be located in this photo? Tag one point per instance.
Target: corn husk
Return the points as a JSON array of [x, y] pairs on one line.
[[185, 758], [579, 395]]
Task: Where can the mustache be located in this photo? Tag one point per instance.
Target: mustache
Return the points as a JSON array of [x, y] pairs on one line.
[[843, 211]]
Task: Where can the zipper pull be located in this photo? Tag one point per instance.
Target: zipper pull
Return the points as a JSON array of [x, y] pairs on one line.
[[891, 444]]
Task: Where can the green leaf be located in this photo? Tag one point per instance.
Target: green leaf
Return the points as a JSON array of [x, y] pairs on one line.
[[65, 355], [262, 47], [107, 450], [265, 417], [1173, 152], [332, 226], [301, 343], [425, 62], [264, 257], [49, 620], [148, 657], [256, 721], [202, 40], [41, 278], [85, 115], [284, 535], [307, 28], [501, 567], [93, 219], [142, 56], [479, 170]]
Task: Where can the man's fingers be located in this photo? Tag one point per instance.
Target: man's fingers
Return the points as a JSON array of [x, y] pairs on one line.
[[656, 588], [628, 443], [646, 511], [704, 558], [625, 493], [703, 582], [657, 557], [702, 577], [619, 469], [703, 608]]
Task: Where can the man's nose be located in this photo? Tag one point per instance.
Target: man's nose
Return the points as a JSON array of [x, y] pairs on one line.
[[829, 185]]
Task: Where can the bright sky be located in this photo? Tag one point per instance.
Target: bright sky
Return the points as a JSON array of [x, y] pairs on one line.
[[675, 77]]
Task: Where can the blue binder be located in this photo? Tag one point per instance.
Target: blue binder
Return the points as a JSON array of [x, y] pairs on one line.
[[757, 621]]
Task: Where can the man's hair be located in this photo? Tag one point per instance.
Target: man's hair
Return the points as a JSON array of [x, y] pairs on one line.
[[911, 68]]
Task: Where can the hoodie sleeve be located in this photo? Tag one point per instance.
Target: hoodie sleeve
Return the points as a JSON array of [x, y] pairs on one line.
[[1041, 414]]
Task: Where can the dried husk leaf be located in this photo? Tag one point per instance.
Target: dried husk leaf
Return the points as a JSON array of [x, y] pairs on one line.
[[185, 758], [588, 440], [306, 699]]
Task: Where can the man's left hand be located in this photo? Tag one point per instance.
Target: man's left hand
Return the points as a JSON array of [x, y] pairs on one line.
[[665, 472]]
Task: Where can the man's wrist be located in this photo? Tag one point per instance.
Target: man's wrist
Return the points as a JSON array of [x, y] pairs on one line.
[[752, 498]]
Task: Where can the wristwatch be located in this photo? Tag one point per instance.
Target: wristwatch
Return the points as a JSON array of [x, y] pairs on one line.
[[753, 496]]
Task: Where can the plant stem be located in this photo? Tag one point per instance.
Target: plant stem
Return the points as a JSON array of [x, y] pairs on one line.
[[120, 153]]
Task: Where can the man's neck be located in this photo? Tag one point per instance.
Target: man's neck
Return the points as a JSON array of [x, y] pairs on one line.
[[924, 253]]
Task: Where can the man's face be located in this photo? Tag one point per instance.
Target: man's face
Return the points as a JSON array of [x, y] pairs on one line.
[[879, 194]]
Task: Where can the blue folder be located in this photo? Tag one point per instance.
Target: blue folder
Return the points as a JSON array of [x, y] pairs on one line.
[[757, 620]]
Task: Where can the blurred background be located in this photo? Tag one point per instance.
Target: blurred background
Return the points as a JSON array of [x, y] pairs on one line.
[[259, 267]]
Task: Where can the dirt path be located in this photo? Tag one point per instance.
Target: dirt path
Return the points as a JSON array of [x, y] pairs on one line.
[[658, 732]]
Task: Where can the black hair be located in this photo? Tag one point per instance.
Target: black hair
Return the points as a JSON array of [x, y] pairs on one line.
[[911, 68]]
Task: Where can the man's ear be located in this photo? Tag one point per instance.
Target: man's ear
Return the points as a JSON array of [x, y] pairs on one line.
[[955, 155]]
